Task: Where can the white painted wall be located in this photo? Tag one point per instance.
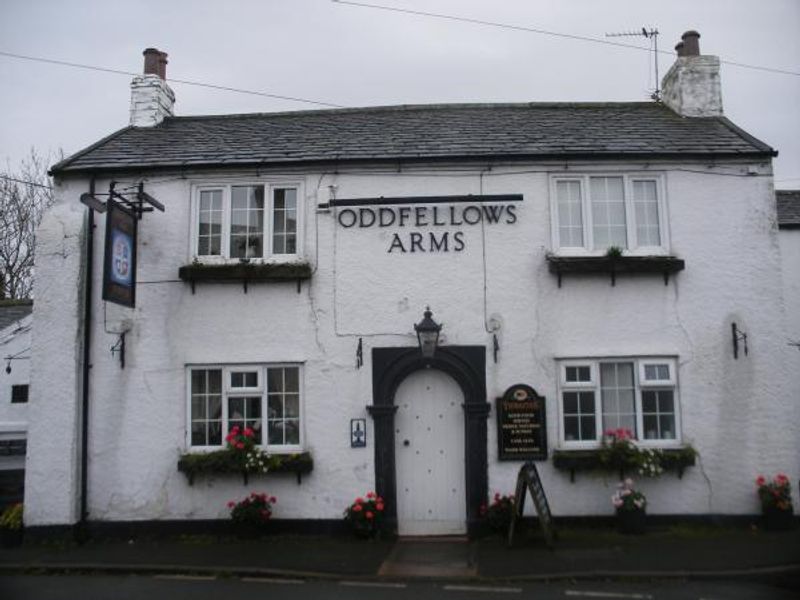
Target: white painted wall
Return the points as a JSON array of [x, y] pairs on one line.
[[15, 340], [739, 414]]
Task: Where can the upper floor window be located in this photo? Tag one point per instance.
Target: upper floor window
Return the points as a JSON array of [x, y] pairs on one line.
[[637, 394], [253, 221], [591, 213]]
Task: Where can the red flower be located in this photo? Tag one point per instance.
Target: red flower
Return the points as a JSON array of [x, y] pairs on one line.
[[248, 432], [370, 495], [760, 480], [359, 500], [272, 499], [369, 515], [231, 504], [240, 445], [379, 506], [378, 499], [356, 508]]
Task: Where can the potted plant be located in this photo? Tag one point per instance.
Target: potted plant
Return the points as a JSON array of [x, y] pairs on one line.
[[630, 505], [250, 515], [776, 502], [499, 512], [365, 515], [11, 530]]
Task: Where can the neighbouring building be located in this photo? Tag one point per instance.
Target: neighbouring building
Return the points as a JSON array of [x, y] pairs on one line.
[[594, 266], [788, 202], [15, 345]]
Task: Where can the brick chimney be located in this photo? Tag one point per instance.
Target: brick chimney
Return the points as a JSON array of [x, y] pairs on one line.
[[692, 86], [151, 98]]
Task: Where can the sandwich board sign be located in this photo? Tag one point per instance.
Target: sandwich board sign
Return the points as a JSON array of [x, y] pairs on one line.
[[528, 481]]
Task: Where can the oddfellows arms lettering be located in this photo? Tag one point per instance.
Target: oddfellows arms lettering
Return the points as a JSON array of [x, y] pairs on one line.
[[441, 219]]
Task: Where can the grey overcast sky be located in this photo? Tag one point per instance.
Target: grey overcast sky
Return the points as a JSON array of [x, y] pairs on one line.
[[351, 56]]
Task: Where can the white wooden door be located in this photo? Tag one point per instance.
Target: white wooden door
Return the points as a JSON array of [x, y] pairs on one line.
[[429, 454]]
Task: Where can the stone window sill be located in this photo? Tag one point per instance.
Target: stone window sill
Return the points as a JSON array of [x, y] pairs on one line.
[[614, 265], [245, 273]]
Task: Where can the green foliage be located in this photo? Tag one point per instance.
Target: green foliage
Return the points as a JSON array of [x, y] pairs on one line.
[[255, 509], [12, 517], [230, 461], [775, 494], [614, 252]]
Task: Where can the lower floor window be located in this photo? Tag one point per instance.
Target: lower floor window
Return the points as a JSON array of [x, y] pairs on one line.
[[635, 394], [264, 398]]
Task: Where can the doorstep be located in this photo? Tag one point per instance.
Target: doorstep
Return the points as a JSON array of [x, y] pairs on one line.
[[440, 557]]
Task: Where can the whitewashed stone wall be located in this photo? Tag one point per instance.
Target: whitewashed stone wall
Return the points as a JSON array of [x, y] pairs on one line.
[[15, 340], [739, 414]]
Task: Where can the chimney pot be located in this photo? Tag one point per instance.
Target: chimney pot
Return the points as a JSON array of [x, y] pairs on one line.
[[691, 43], [679, 49], [155, 62]]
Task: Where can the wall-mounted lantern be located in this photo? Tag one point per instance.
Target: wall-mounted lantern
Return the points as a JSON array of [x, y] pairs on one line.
[[428, 334]]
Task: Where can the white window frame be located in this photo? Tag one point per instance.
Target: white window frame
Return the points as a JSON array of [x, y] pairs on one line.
[[588, 248], [225, 252], [638, 369], [228, 392]]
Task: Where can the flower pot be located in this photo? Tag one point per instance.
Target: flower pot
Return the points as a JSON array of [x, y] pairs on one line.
[[776, 519], [11, 538], [631, 521], [363, 530], [249, 531]]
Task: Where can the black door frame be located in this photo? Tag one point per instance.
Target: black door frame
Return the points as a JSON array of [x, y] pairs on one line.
[[465, 364]]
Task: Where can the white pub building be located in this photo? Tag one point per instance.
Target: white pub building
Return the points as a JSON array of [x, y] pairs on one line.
[[606, 265]]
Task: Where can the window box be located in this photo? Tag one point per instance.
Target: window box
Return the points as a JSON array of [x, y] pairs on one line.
[[225, 462], [245, 273], [671, 459], [613, 265]]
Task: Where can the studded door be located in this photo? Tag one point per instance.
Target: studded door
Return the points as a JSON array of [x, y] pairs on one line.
[[429, 454]]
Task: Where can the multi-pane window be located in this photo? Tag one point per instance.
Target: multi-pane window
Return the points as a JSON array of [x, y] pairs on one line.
[[222, 397], [246, 221], [592, 213], [638, 394]]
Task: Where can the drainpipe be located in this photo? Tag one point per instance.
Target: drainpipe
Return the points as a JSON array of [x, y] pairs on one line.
[[82, 531]]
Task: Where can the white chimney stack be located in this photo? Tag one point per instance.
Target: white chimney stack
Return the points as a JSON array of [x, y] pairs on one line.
[[151, 98], [692, 86]]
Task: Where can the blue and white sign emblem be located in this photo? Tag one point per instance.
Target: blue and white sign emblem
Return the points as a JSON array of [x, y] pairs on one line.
[[121, 258]]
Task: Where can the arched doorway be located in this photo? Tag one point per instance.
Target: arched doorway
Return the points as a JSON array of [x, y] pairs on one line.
[[466, 366], [429, 455]]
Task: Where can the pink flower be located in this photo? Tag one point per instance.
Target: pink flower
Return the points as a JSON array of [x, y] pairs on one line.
[[240, 445], [231, 504], [272, 499], [359, 500], [370, 495], [248, 432], [379, 506], [369, 515], [760, 480], [356, 508]]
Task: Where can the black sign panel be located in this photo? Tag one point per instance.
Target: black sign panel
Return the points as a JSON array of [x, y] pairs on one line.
[[521, 424], [119, 266], [528, 479]]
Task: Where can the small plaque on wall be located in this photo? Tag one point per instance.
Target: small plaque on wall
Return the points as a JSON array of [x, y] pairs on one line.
[[358, 433], [521, 424]]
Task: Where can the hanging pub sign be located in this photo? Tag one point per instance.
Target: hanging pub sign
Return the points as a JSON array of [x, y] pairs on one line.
[[521, 424], [119, 266]]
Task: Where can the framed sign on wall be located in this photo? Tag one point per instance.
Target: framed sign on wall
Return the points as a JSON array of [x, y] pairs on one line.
[[521, 424]]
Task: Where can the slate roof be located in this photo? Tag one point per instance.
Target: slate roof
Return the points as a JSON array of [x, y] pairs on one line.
[[788, 208], [14, 310], [425, 132]]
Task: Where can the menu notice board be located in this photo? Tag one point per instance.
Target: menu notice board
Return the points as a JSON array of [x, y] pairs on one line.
[[528, 481], [521, 424]]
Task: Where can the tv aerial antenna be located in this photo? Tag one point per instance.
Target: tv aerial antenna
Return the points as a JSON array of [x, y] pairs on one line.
[[652, 35]]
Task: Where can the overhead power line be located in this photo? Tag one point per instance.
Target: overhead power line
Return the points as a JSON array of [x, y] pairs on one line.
[[33, 183], [568, 36], [171, 80]]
